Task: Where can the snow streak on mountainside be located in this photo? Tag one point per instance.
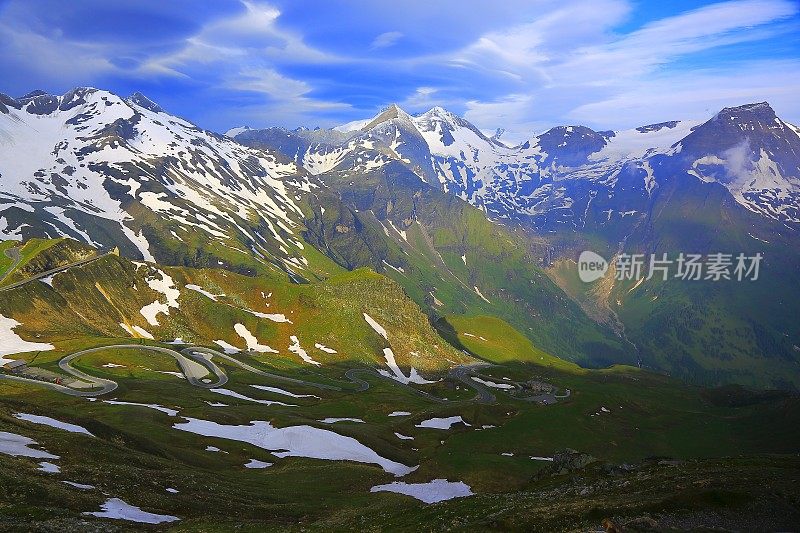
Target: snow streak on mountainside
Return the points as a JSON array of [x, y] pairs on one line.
[[549, 182], [112, 171]]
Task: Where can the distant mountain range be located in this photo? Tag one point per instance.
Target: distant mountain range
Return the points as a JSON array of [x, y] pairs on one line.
[[552, 178], [464, 223]]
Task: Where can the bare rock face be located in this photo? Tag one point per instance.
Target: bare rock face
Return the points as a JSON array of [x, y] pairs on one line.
[[569, 460]]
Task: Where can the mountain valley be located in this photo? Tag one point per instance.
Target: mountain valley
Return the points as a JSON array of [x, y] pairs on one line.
[[383, 323]]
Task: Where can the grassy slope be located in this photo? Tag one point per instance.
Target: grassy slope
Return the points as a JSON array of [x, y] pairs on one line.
[[136, 448], [650, 414], [498, 342], [734, 494], [439, 230], [93, 300], [702, 331]]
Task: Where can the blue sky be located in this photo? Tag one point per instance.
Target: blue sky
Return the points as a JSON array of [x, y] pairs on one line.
[[521, 65]]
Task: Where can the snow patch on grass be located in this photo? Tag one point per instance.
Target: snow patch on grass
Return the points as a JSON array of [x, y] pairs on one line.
[[333, 420], [52, 422], [255, 463], [136, 331], [227, 348], [165, 410], [277, 390], [297, 349], [166, 287], [492, 384], [398, 374], [201, 290], [434, 491], [324, 348], [377, 327], [275, 317], [116, 509], [234, 394], [49, 468], [442, 423], [81, 486], [18, 446], [478, 292], [175, 374], [251, 340], [11, 343], [295, 441]]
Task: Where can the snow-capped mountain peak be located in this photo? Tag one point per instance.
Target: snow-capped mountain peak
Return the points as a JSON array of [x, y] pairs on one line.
[[439, 113], [644, 140], [121, 172], [550, 179], [354, 125], [233, 132], [387, 114], [141, 100], [754, 154]]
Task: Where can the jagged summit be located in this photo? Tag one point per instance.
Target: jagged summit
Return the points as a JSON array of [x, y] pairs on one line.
[[760, 111], [440, 113], [33, 94], [437, 111], [233, 132], [141, 100], [756, 124], [391, 112], [757, 106], [658, 126]]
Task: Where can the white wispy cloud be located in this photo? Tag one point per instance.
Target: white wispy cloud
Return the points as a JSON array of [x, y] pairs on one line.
[[698, 94], [385, 40], [423, 98], [516, 113], [253, 36], [658, 43], [245, 51], [48, 56], [280, 89], [607, 79], [512, 65]]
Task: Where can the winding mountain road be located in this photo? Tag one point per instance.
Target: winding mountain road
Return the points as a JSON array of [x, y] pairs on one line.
[[46, 273], [207, 353], [16, 257], [463, 373], [190, 357], [184, 360], [364, 385]]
